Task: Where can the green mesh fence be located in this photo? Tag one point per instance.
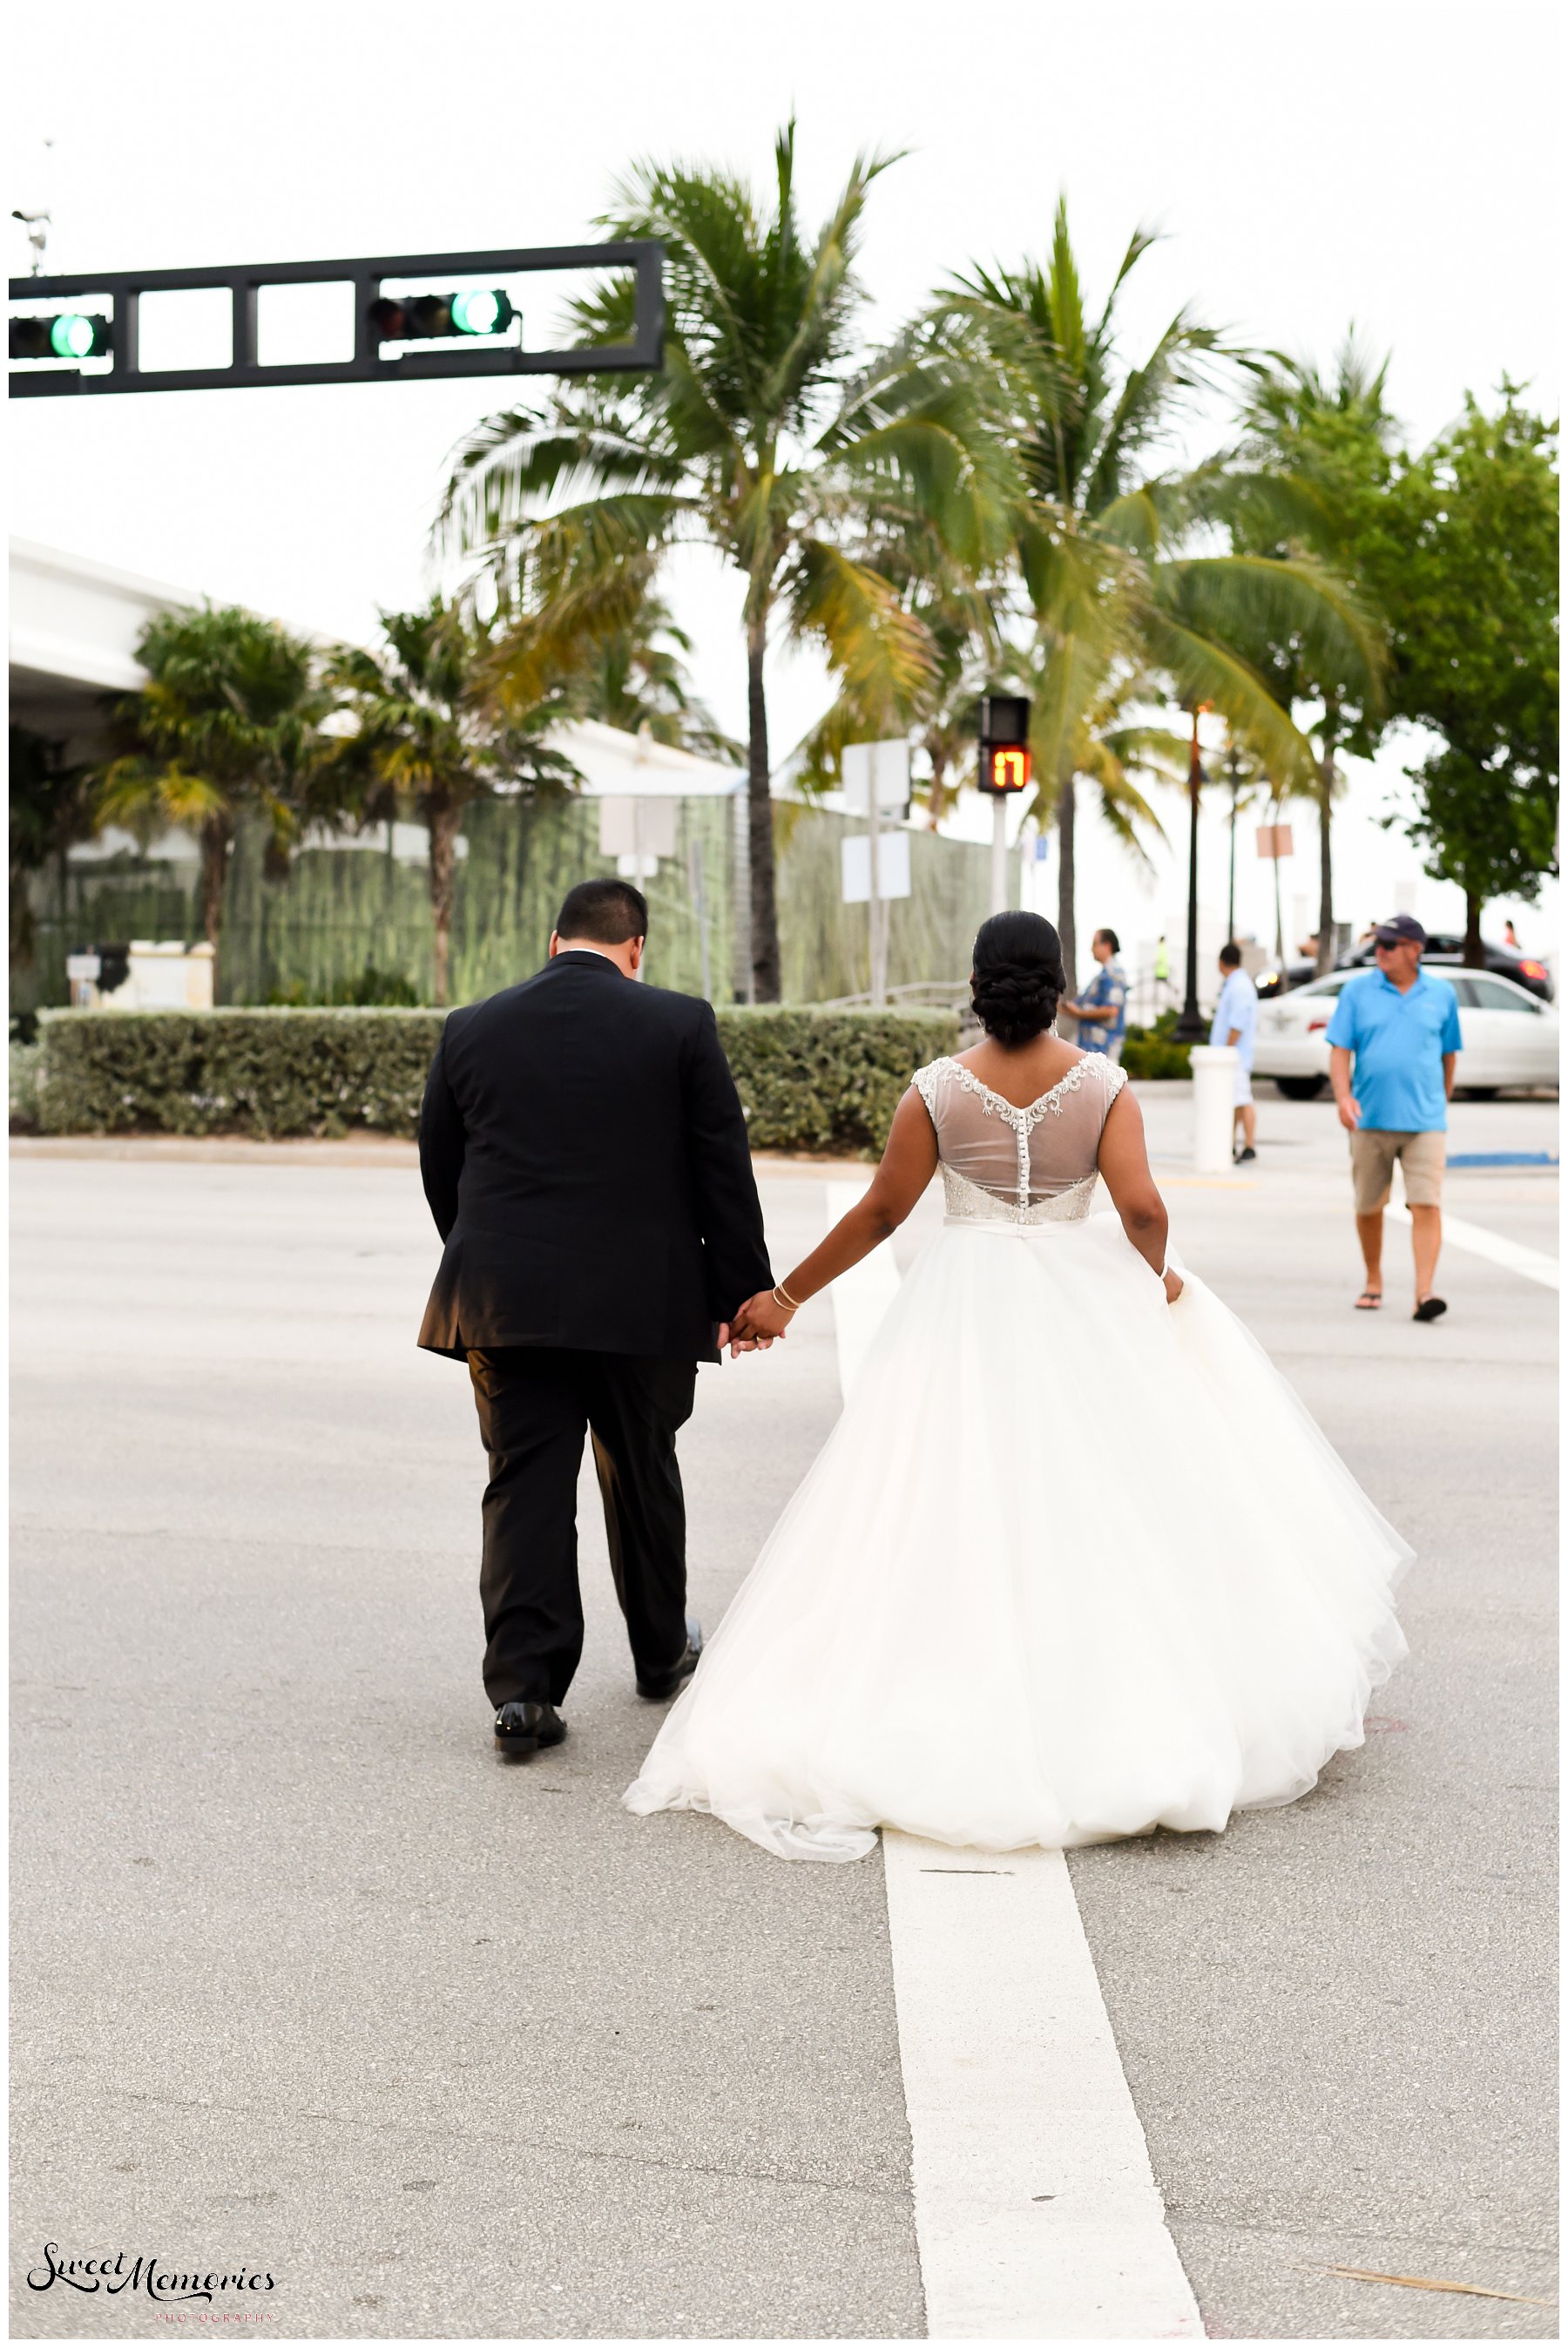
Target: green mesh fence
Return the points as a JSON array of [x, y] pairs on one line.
[[344, 908]]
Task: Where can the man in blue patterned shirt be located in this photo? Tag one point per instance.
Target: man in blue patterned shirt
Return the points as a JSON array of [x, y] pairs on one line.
[[1101, 1015]]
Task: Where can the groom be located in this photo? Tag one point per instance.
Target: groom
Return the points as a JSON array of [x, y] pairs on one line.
[[584, 1152]]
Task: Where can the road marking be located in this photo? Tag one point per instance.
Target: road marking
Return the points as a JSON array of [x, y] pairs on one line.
[[1503, 1158], [1475, 1240], [1036, 2210], [1037, 2214]]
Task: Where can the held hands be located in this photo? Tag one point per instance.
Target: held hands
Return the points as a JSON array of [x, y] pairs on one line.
[[760, 1319]]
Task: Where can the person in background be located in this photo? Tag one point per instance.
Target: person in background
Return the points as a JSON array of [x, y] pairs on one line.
[[1510, 938], [1235, 1022], [1401, 1031], [1161, 975], [1101, 1015]]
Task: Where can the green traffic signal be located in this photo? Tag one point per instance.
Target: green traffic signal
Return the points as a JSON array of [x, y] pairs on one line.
[[72, 337], [484, 313]]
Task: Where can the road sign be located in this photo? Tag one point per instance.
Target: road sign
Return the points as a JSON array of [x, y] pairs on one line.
[[83, 333], [888, 762], [642, 829], [891, 866], [1274, 841]]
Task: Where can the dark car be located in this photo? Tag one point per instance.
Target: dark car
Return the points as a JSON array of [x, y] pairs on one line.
[[1444, 948], [1277, 980]]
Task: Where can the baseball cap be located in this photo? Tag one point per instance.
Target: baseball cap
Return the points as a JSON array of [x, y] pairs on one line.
[[1398, 929]]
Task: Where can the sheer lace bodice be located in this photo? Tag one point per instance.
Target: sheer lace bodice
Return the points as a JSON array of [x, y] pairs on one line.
[[1008, 1165]]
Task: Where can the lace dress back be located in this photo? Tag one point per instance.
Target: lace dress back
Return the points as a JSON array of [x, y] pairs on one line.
[[1021, 1166]]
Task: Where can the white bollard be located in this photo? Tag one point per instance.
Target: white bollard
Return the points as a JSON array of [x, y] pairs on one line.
[[1213, 1106]]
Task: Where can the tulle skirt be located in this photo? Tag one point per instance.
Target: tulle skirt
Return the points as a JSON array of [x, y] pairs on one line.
[[1073, 1564]]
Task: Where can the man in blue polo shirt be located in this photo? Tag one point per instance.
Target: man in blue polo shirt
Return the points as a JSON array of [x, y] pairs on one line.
[[1401, 1030]]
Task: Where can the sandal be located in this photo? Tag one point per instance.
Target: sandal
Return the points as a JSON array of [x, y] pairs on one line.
[[1370, 1300], [1429, 1309]]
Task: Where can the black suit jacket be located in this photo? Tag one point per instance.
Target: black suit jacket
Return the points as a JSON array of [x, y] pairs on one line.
[[584, 1153]]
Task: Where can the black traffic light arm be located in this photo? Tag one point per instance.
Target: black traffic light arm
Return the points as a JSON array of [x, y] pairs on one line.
[[643, 354]]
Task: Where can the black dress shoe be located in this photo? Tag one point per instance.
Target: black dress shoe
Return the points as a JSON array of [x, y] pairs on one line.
[[523, 1727], [666, 1683]]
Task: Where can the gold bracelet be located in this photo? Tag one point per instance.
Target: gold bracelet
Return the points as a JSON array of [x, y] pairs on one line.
[[782, 1296]]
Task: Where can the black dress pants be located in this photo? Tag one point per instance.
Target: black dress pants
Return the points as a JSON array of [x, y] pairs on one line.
[[536, 1405]]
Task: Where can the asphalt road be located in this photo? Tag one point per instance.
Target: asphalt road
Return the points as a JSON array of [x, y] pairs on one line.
[[305, 1981]]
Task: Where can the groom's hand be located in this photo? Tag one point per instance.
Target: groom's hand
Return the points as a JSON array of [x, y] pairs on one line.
[[735, 1342]]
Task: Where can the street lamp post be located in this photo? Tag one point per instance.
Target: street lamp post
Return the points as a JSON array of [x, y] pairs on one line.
[[1232, 775], [1190, 1028]]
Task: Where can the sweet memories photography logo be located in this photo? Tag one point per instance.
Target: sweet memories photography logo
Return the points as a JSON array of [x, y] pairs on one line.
[[161, 2282]]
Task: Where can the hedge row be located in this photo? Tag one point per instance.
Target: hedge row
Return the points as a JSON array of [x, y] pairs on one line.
[[828, 1081], [810, 1080], [1156, 1056]]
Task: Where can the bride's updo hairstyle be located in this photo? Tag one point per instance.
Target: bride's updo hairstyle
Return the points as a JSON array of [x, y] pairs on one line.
[[1018, 976]]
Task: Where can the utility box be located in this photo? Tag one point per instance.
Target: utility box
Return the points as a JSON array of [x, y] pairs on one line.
[[147, 975]]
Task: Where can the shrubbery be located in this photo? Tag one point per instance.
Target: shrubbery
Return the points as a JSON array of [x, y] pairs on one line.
[[1148, 1052], [262, 1072], [828, 1080], [811, 1080], [25, 1068]]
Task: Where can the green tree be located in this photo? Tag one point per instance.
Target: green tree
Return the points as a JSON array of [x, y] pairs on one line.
[[428, 736], [760, 437], [50, 809], [226, 722], [634, 677], [1469, 580], [1335, 436], [1112, 553]]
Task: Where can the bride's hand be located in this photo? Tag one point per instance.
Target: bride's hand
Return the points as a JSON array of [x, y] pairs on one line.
[[1173, 1285], [760, 1319]]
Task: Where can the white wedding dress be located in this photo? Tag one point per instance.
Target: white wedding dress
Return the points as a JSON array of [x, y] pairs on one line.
[[1074, 1562]]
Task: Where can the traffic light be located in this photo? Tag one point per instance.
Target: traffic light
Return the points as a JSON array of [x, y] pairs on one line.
[[1004, 765], [427, 317], [71, 335]]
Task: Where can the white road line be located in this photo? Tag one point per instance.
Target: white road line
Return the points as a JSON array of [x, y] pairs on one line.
[[1476, 1239], [1035, 2211]]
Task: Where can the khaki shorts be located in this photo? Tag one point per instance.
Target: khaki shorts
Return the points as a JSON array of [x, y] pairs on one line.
[[1422, 1156]]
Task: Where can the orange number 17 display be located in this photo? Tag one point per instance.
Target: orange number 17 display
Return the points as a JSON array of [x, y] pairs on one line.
[[1006, 768]]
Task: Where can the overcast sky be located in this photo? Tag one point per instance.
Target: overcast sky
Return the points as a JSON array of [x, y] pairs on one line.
[[1387, 164]]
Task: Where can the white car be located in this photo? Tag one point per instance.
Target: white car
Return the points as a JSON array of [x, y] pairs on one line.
[[1510, 1034]]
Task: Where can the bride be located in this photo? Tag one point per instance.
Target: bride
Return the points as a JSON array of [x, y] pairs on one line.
[[1075, 1562]]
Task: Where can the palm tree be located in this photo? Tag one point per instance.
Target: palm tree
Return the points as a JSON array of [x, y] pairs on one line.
[[634, 677], [226, 722], [50, 810], [1108, 550], [427, 736], [757, 439], [1335, 434]]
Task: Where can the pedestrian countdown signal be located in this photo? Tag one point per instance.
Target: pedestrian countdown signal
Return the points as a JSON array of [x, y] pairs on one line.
[[1004, 763], [1006, 768]]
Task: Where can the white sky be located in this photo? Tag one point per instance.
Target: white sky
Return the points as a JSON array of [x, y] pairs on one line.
[[1385, 163]]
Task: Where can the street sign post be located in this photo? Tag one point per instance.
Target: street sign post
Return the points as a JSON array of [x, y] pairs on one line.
[[1004, 771], [875, 776], [82, 334]]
